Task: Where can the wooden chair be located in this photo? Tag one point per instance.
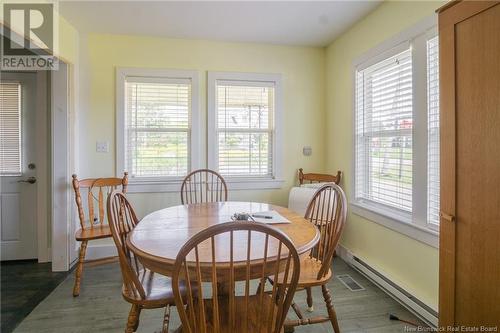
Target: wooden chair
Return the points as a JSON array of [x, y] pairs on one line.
[[327, 210], [228, 305], [92, 227], [141, 287], [319, 177], [203, 185]]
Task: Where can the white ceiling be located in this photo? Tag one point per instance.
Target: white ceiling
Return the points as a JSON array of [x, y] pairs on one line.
[[311, 23]]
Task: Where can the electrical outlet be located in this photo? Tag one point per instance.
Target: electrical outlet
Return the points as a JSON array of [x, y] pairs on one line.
[[102, 147]]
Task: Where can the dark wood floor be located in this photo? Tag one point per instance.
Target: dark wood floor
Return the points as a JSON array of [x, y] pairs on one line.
[[100, 307], [24, 284]]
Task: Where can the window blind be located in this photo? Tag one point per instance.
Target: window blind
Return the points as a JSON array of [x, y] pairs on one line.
[[245, 113], [433, 131], [384, 122], [10, 129], [157, 127]]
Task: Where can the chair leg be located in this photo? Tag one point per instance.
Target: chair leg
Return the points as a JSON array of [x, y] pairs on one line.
[[331, 311], [309, 300], [133, 319], [257, 292], [166, 320], [79, 268]]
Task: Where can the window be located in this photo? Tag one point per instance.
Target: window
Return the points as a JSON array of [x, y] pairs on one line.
[[157, 127], [10, 129], [384, 123], [157, 114], [433, 132], [397, 133], [244, 119]]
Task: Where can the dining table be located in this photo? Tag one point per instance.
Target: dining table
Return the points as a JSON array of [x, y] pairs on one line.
[[158, 237]]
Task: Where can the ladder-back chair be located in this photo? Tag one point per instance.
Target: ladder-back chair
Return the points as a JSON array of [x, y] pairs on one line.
[[225, 258], [327, 210], [319, 177], [141, 287], [92, 219], [203, 185]]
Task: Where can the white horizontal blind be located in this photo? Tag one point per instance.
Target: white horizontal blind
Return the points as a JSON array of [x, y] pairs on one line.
[[384, 122], [157, 127], [10, 129], [245, 112], [433, 131]]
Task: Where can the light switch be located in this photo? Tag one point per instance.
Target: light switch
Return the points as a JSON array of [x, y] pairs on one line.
[[307, 151], [102, 147]]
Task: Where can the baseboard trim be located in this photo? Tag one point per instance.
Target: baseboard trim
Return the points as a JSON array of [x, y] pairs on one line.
[[95, 252], [100, 251], [401, 295]]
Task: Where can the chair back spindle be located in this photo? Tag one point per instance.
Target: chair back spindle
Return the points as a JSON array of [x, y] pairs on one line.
[[327, 210], [122, 220], [223, 259], [203, 185], [97, 189]]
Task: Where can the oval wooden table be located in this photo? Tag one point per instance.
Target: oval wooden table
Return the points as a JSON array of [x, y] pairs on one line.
[[157, 239]]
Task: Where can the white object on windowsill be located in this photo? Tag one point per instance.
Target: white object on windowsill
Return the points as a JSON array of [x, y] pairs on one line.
[[299, 198], [269, 217]]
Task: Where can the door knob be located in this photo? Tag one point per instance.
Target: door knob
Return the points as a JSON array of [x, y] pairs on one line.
[[447, 217], [31, 180]]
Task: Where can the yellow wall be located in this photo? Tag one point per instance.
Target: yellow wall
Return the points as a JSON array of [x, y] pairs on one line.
[[68, 41], [303, 71], [408, 262]]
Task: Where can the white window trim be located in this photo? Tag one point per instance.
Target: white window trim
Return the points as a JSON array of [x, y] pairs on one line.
[[240, 183], [413, 225], [159, 184]]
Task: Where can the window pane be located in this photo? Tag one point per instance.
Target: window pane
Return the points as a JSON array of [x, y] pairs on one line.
[[245, 130], [243, 154], [433, 131], [159, 153], [384, 122], [390, 171], [10, 129], [244, 107], [157, 123]]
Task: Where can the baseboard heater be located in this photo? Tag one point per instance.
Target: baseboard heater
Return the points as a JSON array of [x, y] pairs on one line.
[[414, 305]]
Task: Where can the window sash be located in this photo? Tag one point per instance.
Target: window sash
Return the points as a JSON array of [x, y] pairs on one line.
[[10, 129], [433, 149], [384, 93], [239, 95], [163, 126]]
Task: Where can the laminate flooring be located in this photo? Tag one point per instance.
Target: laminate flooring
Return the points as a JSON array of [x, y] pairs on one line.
[[100, 307]]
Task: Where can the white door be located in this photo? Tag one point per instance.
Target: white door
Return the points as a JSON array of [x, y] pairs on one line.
[[18, 233]]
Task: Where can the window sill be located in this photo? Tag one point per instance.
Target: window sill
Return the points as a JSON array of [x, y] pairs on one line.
[[154, 186], [253, 183], [400, 224], [174, 185]]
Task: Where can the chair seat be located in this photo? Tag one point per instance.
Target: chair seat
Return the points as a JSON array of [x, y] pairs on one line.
[[158, 289], [96, 232], [258, 312], [309, 269]]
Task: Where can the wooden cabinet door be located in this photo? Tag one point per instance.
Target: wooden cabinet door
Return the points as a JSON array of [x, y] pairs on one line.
[[470, 164]]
